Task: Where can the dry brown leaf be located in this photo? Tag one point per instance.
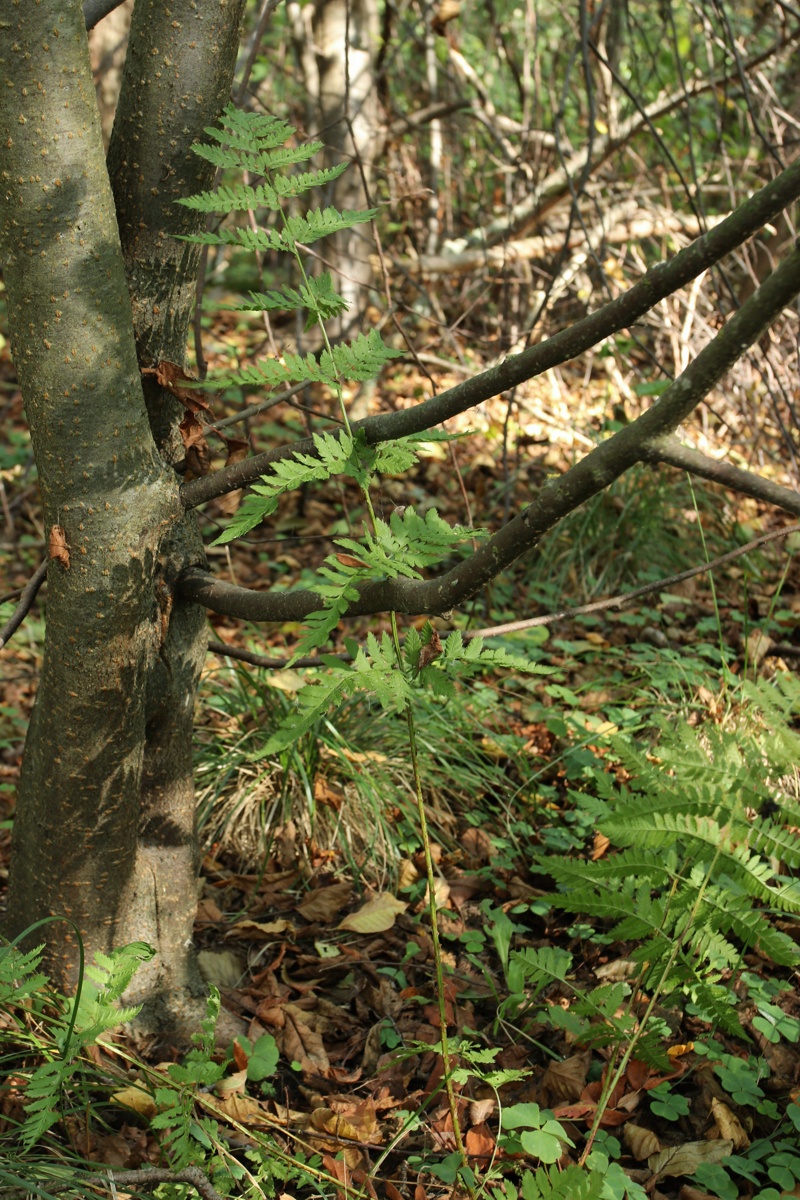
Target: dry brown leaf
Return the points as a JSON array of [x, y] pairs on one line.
[[243, 1109], [58, 546], [258, 930], [233, 1085], [641, 1142], [376, 916], [481, 1110], [600, 845], [138, 1099], [728, 1124], [621, 968], [331, 795], [758, 647], [408, 874], [564, 1081], [685, 1159], [477, 844], [324, 903], [301, 1043], [479, 1143]]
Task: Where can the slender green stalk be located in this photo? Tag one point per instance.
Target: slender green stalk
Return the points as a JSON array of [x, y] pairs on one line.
[[432, 910]]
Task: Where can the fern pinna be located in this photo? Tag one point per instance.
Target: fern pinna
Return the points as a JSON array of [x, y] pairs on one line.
[[707, 840]]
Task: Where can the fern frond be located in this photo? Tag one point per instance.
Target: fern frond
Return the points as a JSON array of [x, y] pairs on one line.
[[313, 701], [364, 358], [243, 198], [543, 966], [317, 297]]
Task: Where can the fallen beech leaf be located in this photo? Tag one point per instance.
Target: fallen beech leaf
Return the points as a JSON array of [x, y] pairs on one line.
[[408, 874], [223, 968], [621, 968], [253, 930], [479, 1110], [302, 1043], [243, 1109], [685, 1159], [376, 916], [232, 1085], [641, 1142], [479, 1143], [565, 1081], [347, 560], [600, 845], [324, 903], [287, 681], [729, 1124], [138, 1099]]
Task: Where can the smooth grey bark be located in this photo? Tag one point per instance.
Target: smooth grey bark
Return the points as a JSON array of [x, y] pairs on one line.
[[101, 479], [178, 78], [105, 827], [346, 35]]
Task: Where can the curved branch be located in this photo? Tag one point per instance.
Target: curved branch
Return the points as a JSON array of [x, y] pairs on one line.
[[635, 443], [671, 451], [658, 282], [26, 599]]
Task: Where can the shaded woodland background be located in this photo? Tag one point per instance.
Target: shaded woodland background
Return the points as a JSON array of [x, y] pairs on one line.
[[528, 162]]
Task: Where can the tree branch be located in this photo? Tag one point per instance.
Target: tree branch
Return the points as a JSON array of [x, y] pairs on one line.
[[671, 451], [271, 664], [658, 282], [27, 597], [556, 499], [564, 614]]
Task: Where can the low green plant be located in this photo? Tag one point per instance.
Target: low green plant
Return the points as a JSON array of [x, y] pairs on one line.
[[74, 1024]]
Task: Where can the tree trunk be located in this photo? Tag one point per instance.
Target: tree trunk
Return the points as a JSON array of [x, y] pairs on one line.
[[104, 831], [346, 35]]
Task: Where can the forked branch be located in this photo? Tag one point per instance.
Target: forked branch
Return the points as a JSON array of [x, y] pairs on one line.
[[646, 439], [660, 281]]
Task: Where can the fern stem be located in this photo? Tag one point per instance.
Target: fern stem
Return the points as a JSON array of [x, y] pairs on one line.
[[447, 1066], [617, 1075]]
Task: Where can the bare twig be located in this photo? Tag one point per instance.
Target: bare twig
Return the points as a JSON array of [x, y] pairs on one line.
[[272, 664], [636, 594], [150, 1177], [27, 597]]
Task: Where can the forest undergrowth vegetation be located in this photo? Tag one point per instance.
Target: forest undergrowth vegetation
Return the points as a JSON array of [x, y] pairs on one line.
[[508, 920]]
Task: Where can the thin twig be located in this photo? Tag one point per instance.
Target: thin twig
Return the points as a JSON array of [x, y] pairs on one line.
[[152, 1176], [27, 597], [626, 597], [275, 664]]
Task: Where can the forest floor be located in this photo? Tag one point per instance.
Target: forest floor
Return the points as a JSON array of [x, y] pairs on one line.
[[313, 919]]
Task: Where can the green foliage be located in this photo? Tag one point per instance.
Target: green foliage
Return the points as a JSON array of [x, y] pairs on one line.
[[189, 1135], [377, 671], [699, 857], [255, 143], [79, 1023]]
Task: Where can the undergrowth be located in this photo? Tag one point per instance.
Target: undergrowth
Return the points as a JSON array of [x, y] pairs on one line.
[[690, 867]]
